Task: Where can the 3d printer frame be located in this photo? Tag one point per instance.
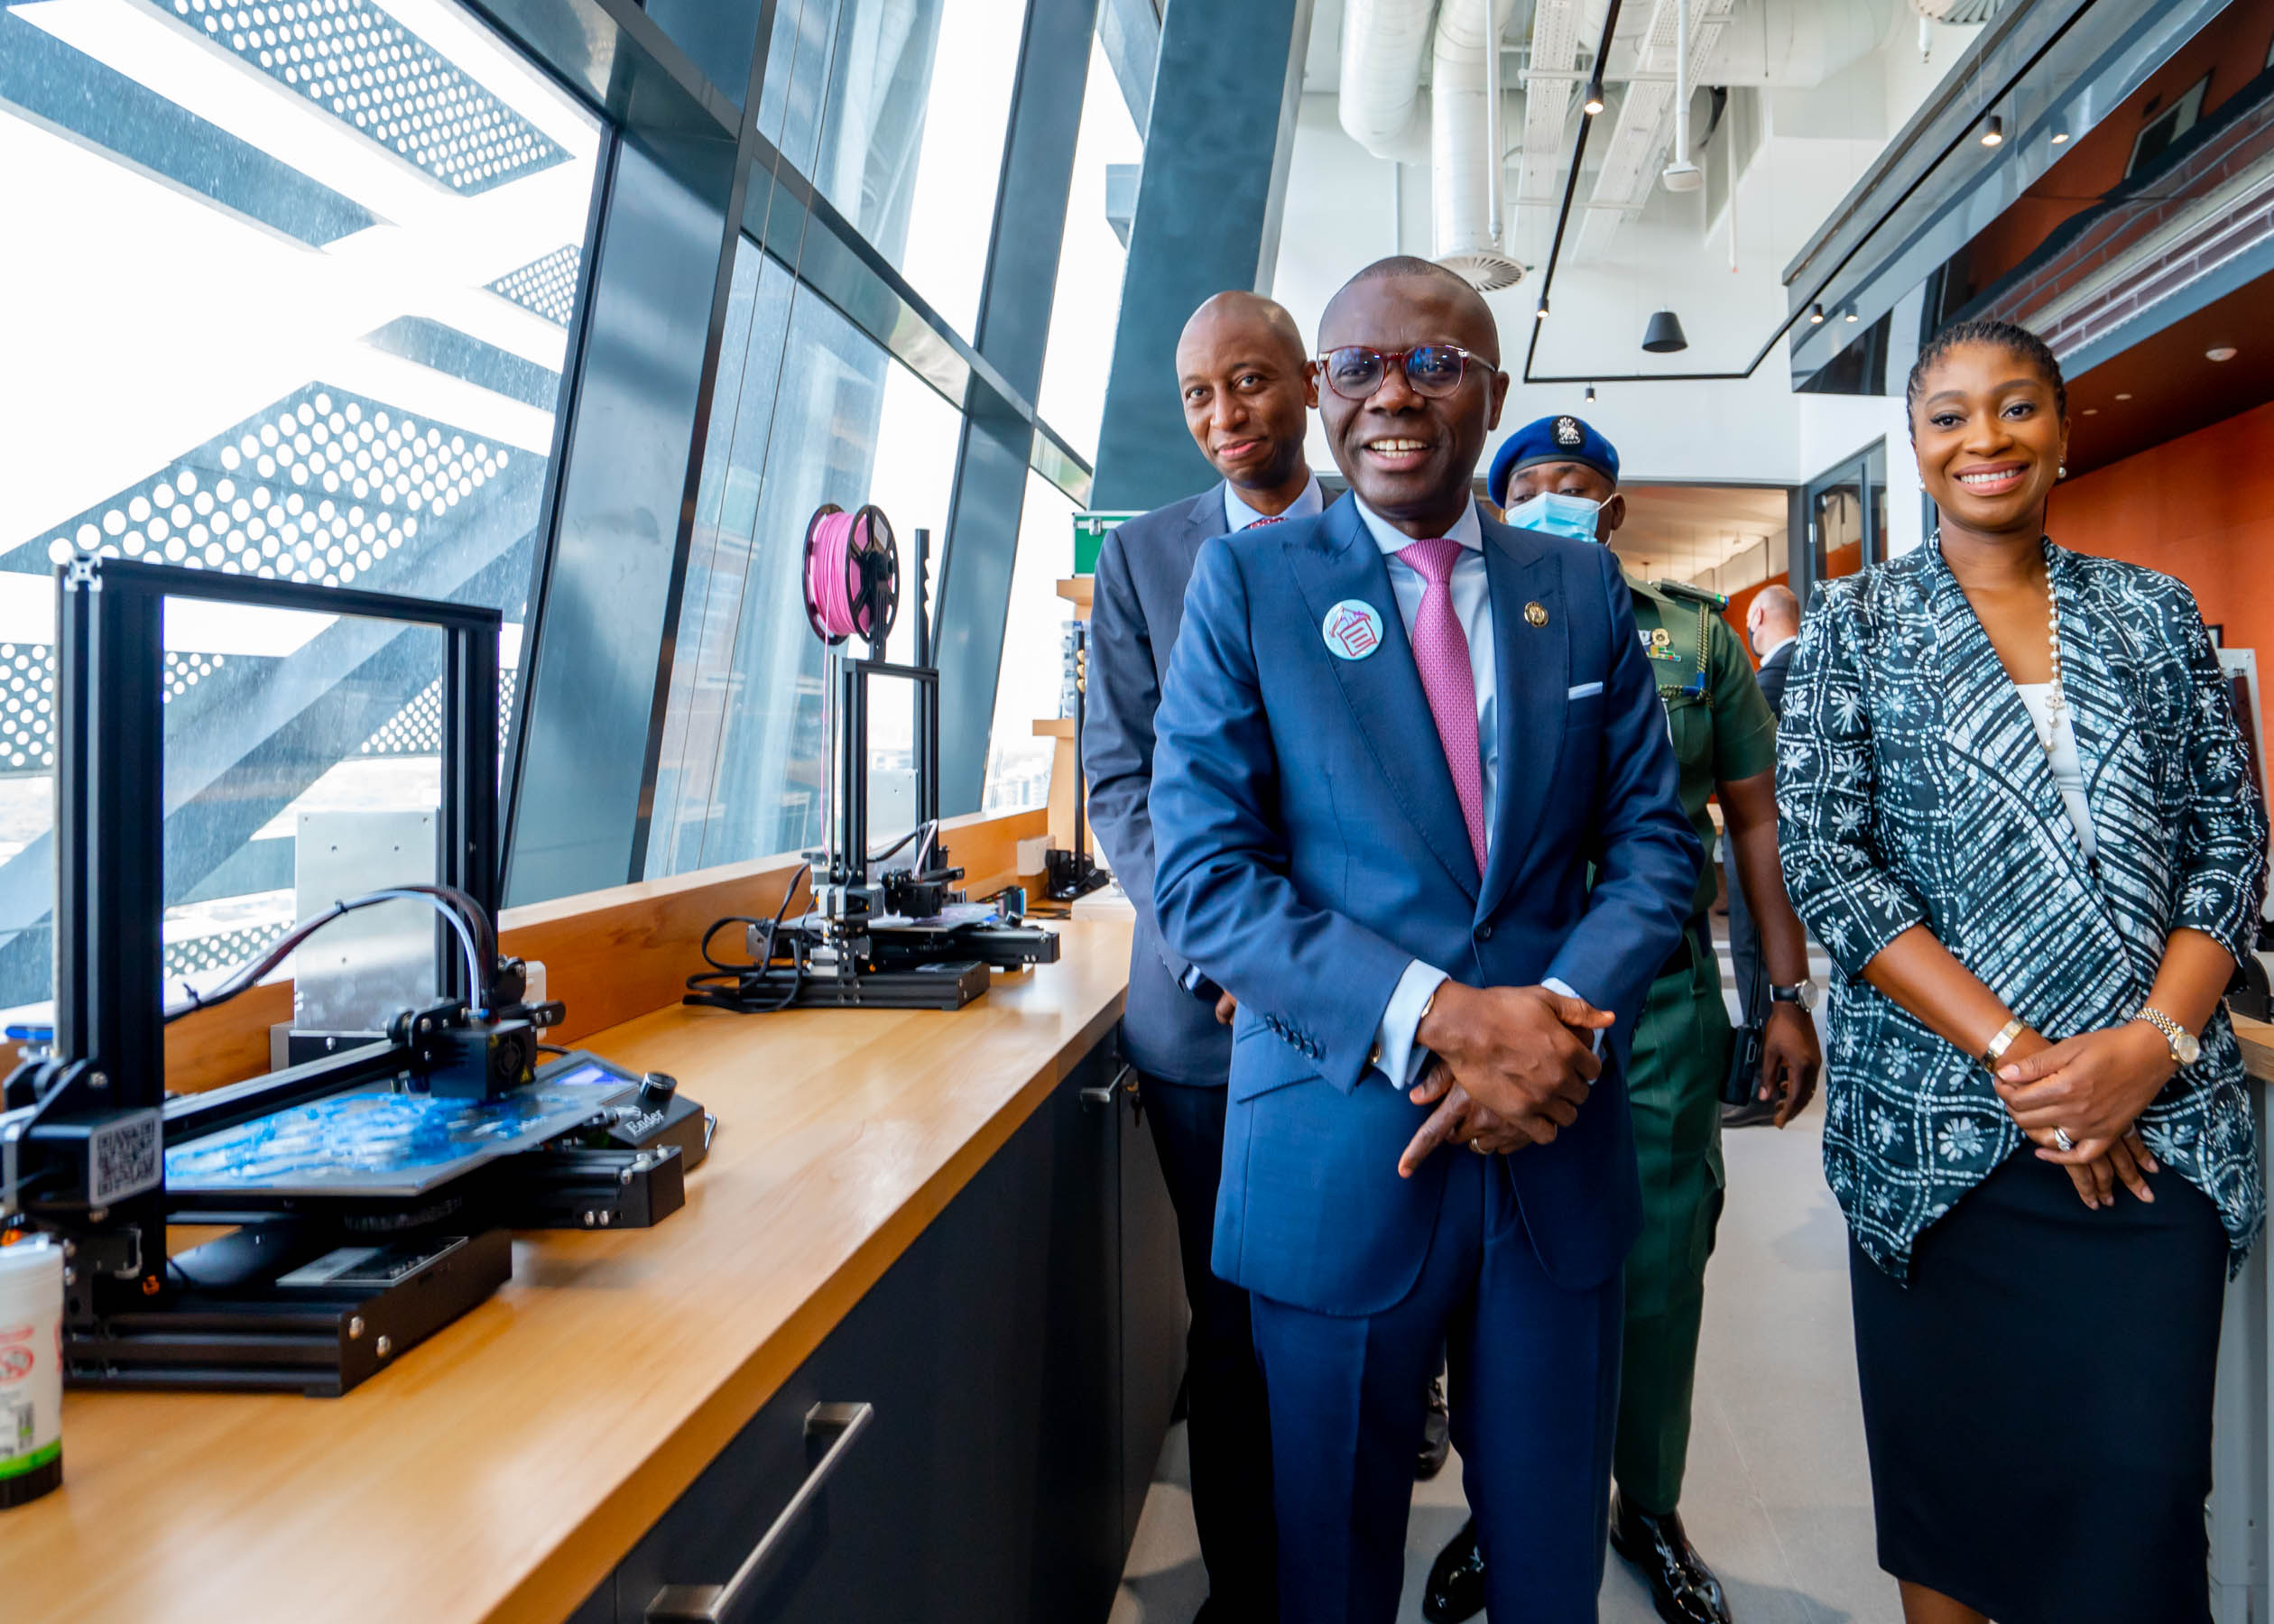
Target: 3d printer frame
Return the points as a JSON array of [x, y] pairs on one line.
[[314, 1295]]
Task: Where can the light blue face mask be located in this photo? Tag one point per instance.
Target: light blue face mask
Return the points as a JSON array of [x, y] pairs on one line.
[[1558, 515]]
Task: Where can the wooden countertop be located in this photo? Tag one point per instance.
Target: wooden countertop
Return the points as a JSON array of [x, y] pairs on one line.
[[508, 1463], [2257, 1039]]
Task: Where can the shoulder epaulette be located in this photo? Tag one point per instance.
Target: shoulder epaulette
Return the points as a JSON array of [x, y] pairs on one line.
[[1695, 594]]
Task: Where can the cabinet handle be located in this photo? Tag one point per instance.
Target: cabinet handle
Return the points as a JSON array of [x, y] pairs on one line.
[[710, 1603], [1124, 1081]]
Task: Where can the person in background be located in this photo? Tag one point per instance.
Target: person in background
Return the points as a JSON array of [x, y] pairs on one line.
[[1561, 476], [1248, 389], [1416, 808], [2019, 813], [1772, 626]]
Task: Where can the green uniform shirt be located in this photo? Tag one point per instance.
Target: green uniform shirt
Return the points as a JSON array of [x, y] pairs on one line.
[[1714, 712]]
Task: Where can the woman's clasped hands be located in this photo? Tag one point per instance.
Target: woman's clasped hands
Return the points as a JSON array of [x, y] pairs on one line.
[[2091, 1088]]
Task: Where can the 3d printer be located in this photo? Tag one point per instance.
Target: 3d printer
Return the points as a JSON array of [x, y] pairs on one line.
[[876, 936], [367, 1194]]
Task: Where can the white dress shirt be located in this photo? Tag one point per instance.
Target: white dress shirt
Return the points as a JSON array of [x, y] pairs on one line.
[[1238, 515], [1779, 644], [1472, 606]]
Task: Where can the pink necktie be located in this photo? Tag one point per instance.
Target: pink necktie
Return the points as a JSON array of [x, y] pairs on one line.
[[1266, 518], [1441, 651]]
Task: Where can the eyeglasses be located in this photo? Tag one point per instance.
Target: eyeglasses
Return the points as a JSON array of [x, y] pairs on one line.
[[1355, 371]]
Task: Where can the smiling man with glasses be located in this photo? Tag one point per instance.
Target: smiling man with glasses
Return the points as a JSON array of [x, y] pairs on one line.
[[1394, 738]]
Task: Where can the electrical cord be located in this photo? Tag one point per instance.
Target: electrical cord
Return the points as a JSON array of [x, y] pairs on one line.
[[732, 986], [450, 903]]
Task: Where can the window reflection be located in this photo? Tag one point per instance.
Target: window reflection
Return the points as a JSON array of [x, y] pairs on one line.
[[1030, 676], [807, 411], [1086, 308], [298, 311], [897, 109]]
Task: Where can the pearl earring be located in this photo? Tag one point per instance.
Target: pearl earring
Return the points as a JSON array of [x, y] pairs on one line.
[[2062, 473]]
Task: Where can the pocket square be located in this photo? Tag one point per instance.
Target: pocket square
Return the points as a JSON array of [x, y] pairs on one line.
[[1585, 690]]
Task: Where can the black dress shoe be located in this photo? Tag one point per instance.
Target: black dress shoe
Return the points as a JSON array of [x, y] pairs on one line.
[[1682, 1587], [1436, 1433], [1456, 1580], [1752, 1114]]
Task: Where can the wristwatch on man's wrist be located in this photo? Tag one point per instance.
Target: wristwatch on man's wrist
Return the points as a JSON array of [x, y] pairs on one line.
[[1802, 993], [2184, 1049]]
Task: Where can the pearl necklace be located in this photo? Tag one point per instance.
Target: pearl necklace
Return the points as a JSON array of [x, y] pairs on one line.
[[2054, 702]]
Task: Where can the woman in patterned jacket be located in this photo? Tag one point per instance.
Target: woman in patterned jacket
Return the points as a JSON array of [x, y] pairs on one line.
[[2016, 810]]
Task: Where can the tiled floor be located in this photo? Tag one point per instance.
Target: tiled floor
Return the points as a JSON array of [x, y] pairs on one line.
[[1778, 1497]]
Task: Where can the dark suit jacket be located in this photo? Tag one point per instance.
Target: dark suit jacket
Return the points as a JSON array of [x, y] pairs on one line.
[[1136, 606], [1312, 847], [1771, 677]]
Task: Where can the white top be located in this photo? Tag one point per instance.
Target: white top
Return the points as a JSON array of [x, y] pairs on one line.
[[2059, 744]]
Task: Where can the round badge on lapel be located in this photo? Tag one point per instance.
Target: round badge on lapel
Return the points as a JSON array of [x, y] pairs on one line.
[[1352, 630], [1536, 615]]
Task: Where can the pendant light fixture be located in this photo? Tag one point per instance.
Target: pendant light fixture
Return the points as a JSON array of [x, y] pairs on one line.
[[1665, 334]]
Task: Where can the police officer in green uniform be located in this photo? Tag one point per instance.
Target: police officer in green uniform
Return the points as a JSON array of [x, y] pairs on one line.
[[1560, 475]]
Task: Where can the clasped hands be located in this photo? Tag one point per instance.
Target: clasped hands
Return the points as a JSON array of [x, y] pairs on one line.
[[1512, 1068], [2092, 1087]]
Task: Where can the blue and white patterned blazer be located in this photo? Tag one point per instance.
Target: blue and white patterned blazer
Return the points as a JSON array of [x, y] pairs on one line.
[[1911, 790]]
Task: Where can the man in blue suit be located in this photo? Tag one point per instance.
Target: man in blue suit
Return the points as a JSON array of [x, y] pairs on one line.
[[1394, 740], [1247, 389]]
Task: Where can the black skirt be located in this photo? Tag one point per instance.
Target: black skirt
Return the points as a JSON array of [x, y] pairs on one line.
[[2037, 1400]]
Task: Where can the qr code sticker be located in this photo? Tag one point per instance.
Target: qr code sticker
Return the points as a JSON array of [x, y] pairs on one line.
[[123, 1159]]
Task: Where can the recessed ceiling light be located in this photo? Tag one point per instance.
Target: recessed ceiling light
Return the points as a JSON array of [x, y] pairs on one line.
[[2224, 352], [2059, 136], [2123, 395], [2092, 412], [1992, 130]]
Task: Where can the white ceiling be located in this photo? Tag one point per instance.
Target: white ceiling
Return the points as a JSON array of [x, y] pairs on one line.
[[1685, 531]]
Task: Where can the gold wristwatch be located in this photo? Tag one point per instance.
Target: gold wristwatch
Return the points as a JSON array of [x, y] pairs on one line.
[[2184, 1049], [1999, 1045]]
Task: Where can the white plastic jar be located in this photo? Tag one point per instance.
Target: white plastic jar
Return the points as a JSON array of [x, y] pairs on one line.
[[31, 1370]]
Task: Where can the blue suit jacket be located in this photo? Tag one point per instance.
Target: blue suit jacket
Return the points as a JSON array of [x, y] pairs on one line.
[[1310, 846], [1139, 602]]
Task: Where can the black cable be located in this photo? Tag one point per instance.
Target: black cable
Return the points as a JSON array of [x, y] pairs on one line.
[[441, 899], [747, 979]]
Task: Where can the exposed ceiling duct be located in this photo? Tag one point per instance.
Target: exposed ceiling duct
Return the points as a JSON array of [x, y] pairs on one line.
[[1761, 45], [1385, 109], [1466, 145]]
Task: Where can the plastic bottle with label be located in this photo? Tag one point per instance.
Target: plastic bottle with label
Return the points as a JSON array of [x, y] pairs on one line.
[[30, 1371]]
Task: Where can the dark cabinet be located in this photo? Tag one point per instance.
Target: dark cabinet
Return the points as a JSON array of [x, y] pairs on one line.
[[974, 1440]]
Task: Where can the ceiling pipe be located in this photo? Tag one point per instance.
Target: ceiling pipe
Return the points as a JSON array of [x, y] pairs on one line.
[[1682, 175], [1381, 104], [1466, 153]]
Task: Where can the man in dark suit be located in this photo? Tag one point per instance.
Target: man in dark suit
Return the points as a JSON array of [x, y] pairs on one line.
[[1416, 808], [1248, 389], [1772, 630]]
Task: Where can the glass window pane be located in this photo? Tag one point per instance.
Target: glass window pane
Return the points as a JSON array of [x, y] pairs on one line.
[[1030, 678], [897, 109], [1087, 306], [809, 410], [284, 320]]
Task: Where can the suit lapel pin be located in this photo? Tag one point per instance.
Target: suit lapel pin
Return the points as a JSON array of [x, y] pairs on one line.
[[1537, 615], [1352, 630]]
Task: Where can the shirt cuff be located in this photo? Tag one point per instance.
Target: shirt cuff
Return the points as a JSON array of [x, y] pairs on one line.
[[1394, 1049], [1556, 983]]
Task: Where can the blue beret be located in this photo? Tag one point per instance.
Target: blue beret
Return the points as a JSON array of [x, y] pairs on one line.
[[1549, 439]]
